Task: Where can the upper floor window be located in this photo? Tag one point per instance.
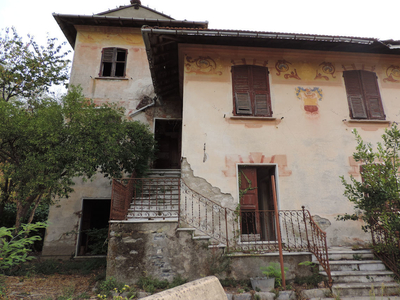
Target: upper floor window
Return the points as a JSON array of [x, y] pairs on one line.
[[251, 94], [363, 95], [113, 62]]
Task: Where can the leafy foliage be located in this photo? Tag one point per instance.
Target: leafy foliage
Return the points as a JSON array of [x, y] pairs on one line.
[[379, 187], [98, 239], [28, 70], [42, 148], [14, 247], [273, 270]]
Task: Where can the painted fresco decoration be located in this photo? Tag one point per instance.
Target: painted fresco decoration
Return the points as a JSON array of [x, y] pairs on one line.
[[310, 97], [350, 67], [253, 62], [393, 74], [201, 65], [325, 71], [283, 66]]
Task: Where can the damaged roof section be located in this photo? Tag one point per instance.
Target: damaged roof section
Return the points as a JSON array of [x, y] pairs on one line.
[[162, 47]]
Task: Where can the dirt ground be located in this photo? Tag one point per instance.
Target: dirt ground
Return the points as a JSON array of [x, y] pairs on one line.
[[49, 287]]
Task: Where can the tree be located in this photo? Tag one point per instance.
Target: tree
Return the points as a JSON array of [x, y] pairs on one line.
[[378, 191], [28, 70], [45, 145]]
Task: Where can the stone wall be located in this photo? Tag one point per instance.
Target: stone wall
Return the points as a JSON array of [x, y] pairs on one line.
[[158, 250]]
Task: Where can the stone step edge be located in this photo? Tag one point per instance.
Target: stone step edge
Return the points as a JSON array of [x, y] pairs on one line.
[[358, 273], [352, 262], [360, 285]]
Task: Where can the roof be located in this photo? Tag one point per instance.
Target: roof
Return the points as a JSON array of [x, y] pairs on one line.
[[118, 18], [162, 47]]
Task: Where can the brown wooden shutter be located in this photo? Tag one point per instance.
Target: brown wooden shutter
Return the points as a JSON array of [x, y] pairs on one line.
[[355, 95], [372, 96], [108, 55], [241, 89], [261, 91]]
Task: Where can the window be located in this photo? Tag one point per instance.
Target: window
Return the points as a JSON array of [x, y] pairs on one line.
[[113, 62], [251, 94], [363, 95]]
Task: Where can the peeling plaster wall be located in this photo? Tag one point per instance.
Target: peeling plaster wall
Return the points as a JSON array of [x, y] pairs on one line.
[[312, 147], [65, 215]]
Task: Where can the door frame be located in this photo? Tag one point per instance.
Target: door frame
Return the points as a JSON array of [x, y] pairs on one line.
[[276, 172]]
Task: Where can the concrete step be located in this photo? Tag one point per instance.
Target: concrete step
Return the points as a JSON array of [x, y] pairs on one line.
[[335, 254], [360, 276], [164, 173], [366, 289], [355, 265]]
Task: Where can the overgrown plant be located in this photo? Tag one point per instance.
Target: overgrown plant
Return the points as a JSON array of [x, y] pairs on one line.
[[379, 187], [14, 247], [273, 270]]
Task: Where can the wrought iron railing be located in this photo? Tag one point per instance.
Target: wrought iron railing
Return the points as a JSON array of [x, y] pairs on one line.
[[386, 245], [155, 198], [239, 231]]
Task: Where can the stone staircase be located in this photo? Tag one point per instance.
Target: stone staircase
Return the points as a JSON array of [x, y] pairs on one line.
[[358, 273], [156, 197]]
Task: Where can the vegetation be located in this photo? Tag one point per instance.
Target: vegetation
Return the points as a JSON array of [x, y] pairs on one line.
[[379, 187], [273, 270], [14, 247]]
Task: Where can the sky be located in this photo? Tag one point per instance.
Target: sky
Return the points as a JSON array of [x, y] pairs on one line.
[[341, 17]]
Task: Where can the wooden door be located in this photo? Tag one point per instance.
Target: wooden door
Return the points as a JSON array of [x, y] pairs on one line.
[[249, 201]]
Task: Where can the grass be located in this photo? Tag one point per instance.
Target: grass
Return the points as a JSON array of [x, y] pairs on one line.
[[51, 266]]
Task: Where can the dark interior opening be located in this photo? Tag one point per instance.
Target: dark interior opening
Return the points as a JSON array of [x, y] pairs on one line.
[[94, 227], [168, 136]]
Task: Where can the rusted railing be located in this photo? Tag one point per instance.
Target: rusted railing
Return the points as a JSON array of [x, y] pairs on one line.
[[155, 198], [240, 231], [386, 245], [316, 239], [121, 197]]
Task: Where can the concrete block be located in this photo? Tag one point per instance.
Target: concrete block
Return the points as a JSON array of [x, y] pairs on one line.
[[315, 293], [204, 288], [286, 295], [266, 295]]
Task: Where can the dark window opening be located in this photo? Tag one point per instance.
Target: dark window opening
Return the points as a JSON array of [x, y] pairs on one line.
[[113, 62], [363, 95], [168, 135], [257, 221], [251, 93], [94, 227]]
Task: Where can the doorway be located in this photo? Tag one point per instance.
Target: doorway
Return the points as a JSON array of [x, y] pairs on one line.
[[256, 203], [94, 227], [168, 134]]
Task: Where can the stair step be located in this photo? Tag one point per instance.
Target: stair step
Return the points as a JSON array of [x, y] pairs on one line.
[[350, 254], [360, 276], [355, 265], [164, 173], [365, 289]]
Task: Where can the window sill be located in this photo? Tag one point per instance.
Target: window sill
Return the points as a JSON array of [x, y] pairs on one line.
[[367, 121], [111, 78], [252, 118]]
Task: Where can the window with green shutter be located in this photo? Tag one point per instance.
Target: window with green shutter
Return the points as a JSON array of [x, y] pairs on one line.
[[363, 95], [251, 95], [113, 62]]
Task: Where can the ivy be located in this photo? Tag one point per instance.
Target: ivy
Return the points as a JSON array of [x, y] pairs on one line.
[[249, 187]]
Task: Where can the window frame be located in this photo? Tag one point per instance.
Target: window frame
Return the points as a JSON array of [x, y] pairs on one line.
[[109, 55], [246, 88], [363, 95]]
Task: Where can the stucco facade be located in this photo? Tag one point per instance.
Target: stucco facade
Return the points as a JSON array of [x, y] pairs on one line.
[[310, 149]]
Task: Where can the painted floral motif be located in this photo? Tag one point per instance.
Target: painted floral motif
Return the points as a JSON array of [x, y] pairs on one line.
[[392, 73], [310, 97], [324, 69], [283, 66], [201, 65]]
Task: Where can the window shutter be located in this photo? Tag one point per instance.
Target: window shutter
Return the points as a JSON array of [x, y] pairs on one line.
[[241, 88], [108, 55], [261, 91], [373, 99], [355, 95]]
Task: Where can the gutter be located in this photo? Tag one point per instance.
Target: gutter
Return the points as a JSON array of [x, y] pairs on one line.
[[143, 108]]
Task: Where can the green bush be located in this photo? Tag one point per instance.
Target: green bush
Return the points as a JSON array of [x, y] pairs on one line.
[[14, 246]]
